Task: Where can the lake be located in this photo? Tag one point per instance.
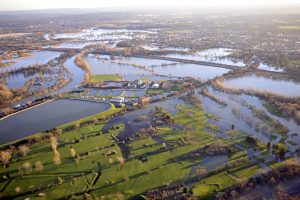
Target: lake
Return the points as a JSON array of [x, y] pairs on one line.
[[45, 117]]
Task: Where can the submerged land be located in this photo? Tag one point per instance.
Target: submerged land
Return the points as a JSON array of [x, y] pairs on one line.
[[149, 105]]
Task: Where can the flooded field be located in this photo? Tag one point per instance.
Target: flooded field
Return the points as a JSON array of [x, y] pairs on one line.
[[217, 55], [237, 113], [37, 57], [35, 120], [190, 70], [104, 34], [128, 66], [101, 66], [264, 84]]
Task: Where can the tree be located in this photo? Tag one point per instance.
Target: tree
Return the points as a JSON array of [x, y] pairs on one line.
[[18, 189], [121, 161], [39, 166], [58, 132], [53, 141], [24, 149], [5, 96], [60, 180], [72, 152], [110, 161], [5, 156], [56, 158], [27, 167], [77, 126]]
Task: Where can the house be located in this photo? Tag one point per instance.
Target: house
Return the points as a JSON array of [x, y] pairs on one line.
[[154, 85], [117, 100], [137, 84], [119, 105]]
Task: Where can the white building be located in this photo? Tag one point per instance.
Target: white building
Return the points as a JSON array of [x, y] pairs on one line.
[[117, 100]]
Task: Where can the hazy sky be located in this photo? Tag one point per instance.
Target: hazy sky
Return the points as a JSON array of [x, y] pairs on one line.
[[47, 4]]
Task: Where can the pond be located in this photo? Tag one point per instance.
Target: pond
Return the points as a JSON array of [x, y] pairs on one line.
[[37, 57], [45, 117], [265, 84]]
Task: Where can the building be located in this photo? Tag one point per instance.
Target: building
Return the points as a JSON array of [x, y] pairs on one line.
[[117, 100]]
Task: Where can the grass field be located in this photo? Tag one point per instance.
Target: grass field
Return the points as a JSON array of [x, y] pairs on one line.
[[95, 78], [155, 91]]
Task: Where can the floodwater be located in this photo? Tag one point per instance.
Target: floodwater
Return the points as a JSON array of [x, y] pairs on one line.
[[264, 84], [37, 57], [103, 34], [17, 80], [74, 45], [266, 67], [246, 121], [101, 66], [76, 72], [190, 70], [216, 55], [45, 117], [127, 67]]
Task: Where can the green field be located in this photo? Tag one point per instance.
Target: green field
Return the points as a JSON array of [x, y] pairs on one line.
[[155, 91], [95, 78]]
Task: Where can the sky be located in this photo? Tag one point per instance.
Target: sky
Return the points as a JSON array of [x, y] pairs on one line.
[[50, 4]]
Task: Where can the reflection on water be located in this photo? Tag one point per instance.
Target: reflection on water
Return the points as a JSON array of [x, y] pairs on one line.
[[217, 55], [37, 57], [191, 70], [260, 83], [45, 117]]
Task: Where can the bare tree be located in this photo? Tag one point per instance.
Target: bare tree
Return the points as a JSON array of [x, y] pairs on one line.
[[18, 189], [56, 158], [24, 149], [5, 156], [110, 161], [72, 152], [27, 167], [39, 166], [121, 161], [54, 143]]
